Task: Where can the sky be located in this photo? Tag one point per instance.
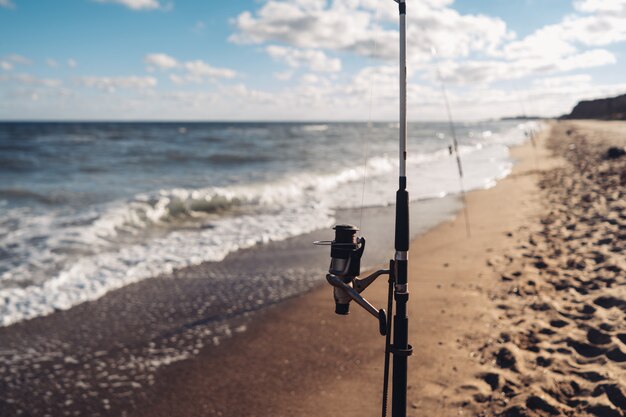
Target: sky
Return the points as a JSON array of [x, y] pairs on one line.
[[304, 60]]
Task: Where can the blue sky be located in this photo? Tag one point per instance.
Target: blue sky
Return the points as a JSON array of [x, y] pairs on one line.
[[303, 59]]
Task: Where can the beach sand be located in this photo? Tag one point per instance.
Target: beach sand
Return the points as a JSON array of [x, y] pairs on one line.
[[524, 318], [558, 346]]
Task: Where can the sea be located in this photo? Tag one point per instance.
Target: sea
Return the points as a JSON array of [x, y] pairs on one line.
[[87, 208]]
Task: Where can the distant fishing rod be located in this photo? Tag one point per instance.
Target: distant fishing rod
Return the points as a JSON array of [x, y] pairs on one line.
[[455, 142], [529, 132], [345, 267]]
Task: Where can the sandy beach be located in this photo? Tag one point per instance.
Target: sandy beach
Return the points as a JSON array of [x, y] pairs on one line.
[[523, 318], [191, 190]]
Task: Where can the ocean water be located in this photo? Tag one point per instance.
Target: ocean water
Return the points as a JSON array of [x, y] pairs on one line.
[[86, 208]]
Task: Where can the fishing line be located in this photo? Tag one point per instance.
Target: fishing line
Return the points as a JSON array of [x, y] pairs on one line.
[[367, 137], [366, 144], [528, 132], [455, 142], [347, 248]]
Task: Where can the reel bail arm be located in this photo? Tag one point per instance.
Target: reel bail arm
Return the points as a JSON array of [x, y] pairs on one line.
[[343, 274], [344, 293]]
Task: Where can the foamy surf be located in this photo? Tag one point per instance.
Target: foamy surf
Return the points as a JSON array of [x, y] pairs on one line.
[[82, 256]]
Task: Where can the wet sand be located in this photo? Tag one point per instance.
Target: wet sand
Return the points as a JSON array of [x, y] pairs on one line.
[[106, 357]]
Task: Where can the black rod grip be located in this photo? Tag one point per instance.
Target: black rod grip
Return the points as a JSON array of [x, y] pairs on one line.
[[402, 218]]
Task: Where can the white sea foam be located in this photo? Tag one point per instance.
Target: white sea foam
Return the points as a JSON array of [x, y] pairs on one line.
[[157, 233], [315, 128]]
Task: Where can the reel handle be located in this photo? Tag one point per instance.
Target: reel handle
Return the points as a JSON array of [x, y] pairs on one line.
[[353, 294]]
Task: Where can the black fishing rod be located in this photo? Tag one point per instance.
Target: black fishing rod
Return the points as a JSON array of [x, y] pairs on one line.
[[345, 267]]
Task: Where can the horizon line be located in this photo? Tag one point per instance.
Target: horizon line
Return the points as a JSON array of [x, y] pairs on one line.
[[263, 121]]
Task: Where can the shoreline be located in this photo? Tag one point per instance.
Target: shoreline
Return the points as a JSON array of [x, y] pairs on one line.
[[210, 197], [113, 348], [502, 324], [298, 358], [485, 315], [153, 327]]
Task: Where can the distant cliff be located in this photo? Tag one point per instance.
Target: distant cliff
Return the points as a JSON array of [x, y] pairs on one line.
[[613, 108]]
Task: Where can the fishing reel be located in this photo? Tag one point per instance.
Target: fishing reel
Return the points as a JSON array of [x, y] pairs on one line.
[[343, 274]]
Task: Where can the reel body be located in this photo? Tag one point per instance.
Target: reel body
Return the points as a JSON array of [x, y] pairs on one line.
[[344, 270]]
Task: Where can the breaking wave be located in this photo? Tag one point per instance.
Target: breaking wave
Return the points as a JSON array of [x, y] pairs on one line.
[[59, 259]]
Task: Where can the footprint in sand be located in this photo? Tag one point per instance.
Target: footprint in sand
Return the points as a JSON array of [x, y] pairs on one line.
[[597, 337]]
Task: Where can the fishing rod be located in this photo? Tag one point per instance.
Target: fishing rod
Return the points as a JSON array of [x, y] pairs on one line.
[[346, 251], [455, 143], [528, 132]]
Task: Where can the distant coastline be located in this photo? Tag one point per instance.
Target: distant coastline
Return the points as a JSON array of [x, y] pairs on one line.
[[612, 108], [522, 118]]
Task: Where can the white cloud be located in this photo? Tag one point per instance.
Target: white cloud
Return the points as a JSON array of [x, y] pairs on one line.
[[305, 35], [568, 81], [25, 89], [9, 62], [243, 91], [196, 71], [303, 24], [487, 71], [52, 63], [546, 97], [6, 3], [177, 79], [162, 61], [383, 78], [19, 59], [136, 4], [587, 59], [200, 69], [283, 76], [311, 79], [555, 48], [541, 44], [365, 28], [553, 42], [600, 6], [454, 34], [315, 60], [72, 63], [594, 30], [111, 84], [353, 25], [30, 80], [346, 99]]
